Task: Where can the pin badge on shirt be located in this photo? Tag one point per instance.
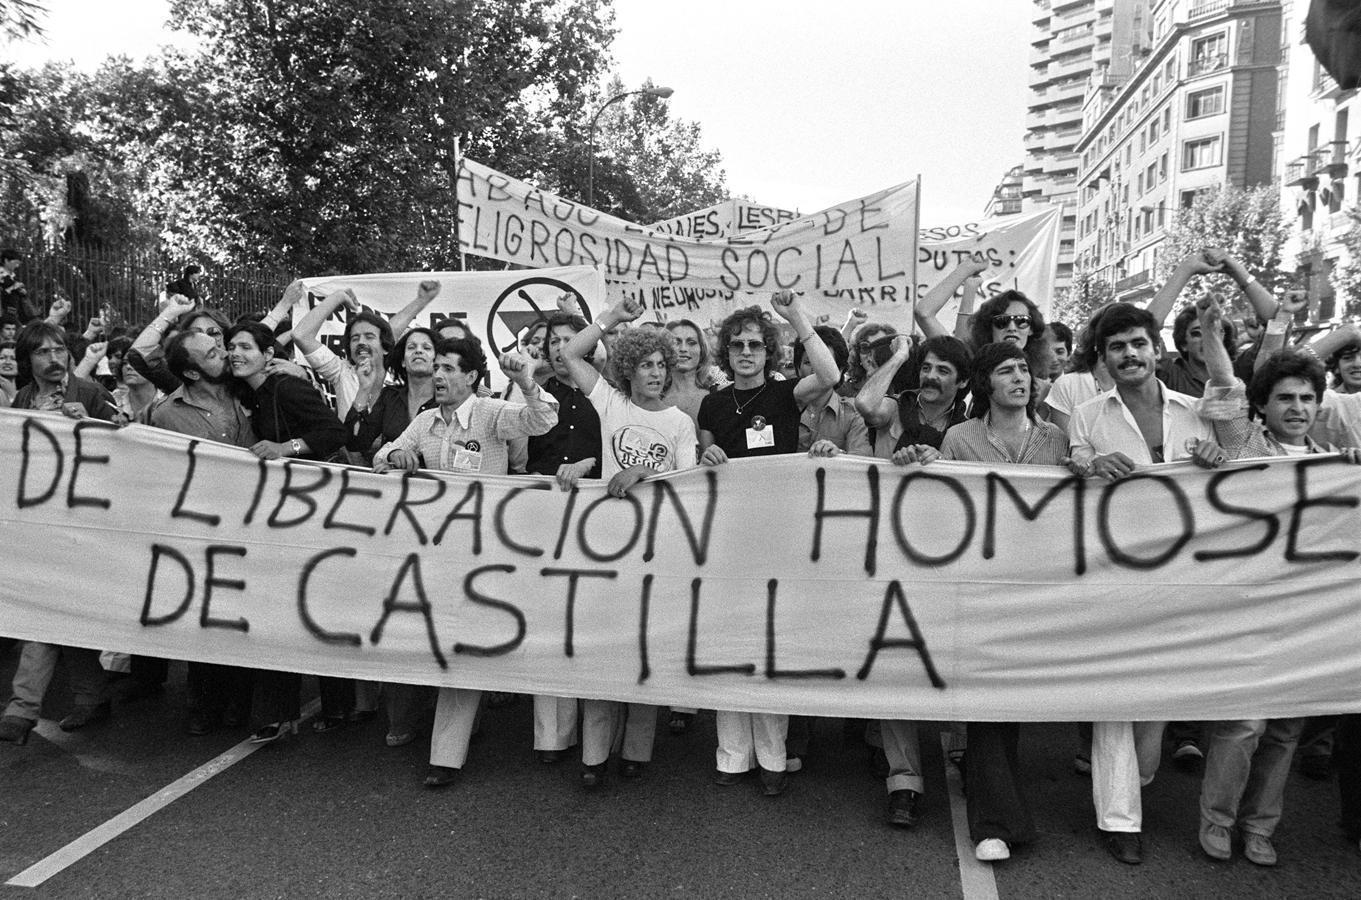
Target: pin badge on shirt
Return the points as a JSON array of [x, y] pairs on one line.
[[758, 423]]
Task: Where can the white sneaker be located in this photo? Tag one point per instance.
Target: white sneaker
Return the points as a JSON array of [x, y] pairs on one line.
[[992, 850]]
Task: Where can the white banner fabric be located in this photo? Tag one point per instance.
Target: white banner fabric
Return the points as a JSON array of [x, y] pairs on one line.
[[868, 241], [840, 587], [496, 306]]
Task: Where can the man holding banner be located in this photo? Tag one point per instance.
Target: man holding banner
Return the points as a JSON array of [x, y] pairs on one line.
[[466, 433]]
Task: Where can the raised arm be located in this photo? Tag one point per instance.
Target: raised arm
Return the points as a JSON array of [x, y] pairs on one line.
[[1202, 262], [576, 355], [427, 291], [1217, 361], [929, 306], [150, 338], [1278, 326], [873, 402], [825, 373], [305, 332]]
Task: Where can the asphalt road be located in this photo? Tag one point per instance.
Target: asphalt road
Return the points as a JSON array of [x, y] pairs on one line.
[[342, 815]]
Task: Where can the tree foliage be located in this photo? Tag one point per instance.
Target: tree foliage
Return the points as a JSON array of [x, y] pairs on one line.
[[320, 135], [1085, 294], [1347, 277], [1246, 222]]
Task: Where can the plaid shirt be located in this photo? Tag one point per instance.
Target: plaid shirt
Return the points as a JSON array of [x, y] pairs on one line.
[[482, 424]]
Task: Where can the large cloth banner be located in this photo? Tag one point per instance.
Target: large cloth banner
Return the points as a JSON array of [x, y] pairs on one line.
[[868, 241], [842, 587], [724, 219], [496, 306]]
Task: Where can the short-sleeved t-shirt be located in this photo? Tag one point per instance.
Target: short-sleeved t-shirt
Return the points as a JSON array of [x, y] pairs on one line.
[[727, 414], [661, 439]]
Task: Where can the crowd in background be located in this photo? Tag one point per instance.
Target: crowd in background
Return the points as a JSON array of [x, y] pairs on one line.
[[621, 399]]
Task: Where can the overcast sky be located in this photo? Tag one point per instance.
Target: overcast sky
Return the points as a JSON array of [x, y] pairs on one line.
[[810, 103]]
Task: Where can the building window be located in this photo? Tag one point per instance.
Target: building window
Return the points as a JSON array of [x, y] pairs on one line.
[[1162, 169], [1209, 102], [1139, 184], [1154, 130], [1209, 54], [1151, 175], [1167, 119], [1170, 70], [1200, 154]]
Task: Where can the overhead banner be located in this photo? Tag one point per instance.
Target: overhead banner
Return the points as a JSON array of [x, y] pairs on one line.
[[868, 241], [496, 306], [841, 587], [1022, 253], [724, 219]]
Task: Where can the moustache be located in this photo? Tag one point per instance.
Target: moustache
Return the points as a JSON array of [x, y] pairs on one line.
[[932, 383]]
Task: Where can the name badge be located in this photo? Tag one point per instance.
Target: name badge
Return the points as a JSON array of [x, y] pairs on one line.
[[764, 437], [468, 457]]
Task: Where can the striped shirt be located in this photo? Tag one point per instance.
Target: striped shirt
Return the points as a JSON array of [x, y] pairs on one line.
[[1045, 444]]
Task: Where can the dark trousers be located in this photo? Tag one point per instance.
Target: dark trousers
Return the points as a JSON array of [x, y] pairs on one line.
[[1347, 760], [996, 806], [276, 697], [213, 689]]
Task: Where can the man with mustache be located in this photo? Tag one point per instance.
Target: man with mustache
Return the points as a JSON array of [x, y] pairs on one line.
[[466, 434], [922, 416], [1137, 423], [48, 385]]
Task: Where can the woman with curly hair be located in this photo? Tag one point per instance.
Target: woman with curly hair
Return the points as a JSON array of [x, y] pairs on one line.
[[640, 436]]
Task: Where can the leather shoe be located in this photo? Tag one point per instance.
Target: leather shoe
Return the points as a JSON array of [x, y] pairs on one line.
[[1215, 840], [592, 776], [903, 808], [631, 768], [773, 784], [1257, 848], [727, 779], [1126, 846], [548, 757], [82, 716], [15, 729], [440, 776]]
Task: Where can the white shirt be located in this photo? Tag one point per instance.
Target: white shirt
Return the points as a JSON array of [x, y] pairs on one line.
[[661, 439], [1105, 425], [1339, 420], [340, 375]]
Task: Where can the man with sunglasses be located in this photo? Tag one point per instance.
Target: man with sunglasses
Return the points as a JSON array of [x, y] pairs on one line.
[[759, 416]]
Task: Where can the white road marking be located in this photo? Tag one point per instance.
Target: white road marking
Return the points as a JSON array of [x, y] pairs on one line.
[[92, 840], [976, 878]]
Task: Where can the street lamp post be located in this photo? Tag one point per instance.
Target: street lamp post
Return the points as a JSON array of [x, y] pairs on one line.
[[662, 92]]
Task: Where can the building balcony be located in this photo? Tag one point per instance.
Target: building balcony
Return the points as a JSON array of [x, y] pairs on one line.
[[1202, 8], [1073, 91], [1005, 207], [1302, 173], [1081, 65], [1331, 159], [1324, 87], [1203, 65]]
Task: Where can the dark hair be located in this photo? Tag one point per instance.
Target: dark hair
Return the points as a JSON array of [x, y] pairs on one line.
[[192, 269], [980, 383], [834, 341], [636, 345], [9, 319], [261, 334], [470, 357], [178, 359], [118, 347], [461, 324], [948, 349], [396, 358], [385, 339], [29, 339], [1280, 365], [1334, 362], [1064, 334], [1036, 343], [566, 320], [1119, 317], [734, 323], [541, 322], [9, 253], [1181, 327]]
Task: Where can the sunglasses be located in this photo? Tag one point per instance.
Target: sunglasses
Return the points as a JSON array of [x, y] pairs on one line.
[[1022, 323], [748, 346]]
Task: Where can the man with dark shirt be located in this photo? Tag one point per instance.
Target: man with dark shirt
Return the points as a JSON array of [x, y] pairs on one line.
[[920, 417], [13, 294], [758, 416]]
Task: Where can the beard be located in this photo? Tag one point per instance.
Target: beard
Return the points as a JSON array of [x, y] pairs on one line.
[[222, 377]]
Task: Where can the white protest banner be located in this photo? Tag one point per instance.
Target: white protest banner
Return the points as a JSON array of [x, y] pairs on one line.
[[1022, 252], [871, 240], [496, 306], [842, 587], [724, 219]]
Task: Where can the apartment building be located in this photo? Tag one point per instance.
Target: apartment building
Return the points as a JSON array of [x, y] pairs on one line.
[[1319, 160], [1006, 198], [1198, 109], [1070, 40]]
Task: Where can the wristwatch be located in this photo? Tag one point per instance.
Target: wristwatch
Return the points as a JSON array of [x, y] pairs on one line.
[[297, 446]]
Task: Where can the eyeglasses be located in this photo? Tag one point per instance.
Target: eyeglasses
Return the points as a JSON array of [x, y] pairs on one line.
[[1022, 323], [748, 346]]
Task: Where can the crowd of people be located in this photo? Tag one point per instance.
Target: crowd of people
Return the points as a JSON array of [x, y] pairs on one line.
[[621, 400]]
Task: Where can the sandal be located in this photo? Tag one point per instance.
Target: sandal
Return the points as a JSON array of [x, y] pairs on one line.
[[399, 740], [328, 723]]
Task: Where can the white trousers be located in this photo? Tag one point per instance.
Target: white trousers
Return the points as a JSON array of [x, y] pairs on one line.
[[455, 715], [605, 723], [1125, 757], [750, 739], [555, 722]]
